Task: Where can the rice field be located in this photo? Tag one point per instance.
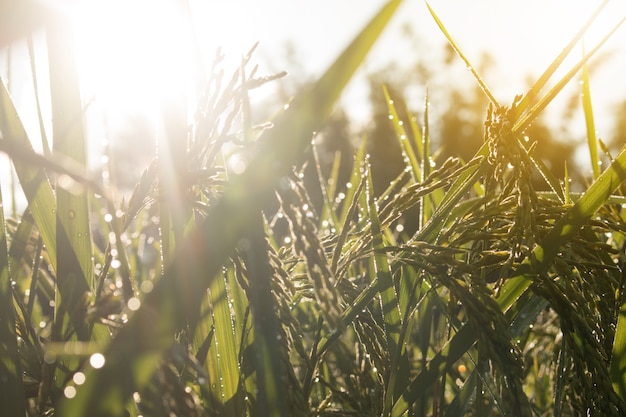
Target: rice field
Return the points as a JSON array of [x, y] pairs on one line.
[[218, 287]]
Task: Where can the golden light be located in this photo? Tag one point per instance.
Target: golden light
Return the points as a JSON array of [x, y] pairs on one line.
[[131, 53]]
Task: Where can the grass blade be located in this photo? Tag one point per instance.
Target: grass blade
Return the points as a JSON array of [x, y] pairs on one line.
[[33, 179], [468, 64], [592, 141], [11, 385], [407, 148], [618, 357]]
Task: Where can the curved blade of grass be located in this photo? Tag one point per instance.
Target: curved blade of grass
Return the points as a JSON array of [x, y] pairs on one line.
[[11, 384], [566, 190], [407, 148], [327, 212], [532, 94], [592, 141], [547, 175], [356, 177], [345, 229], [175, 299], [468, 64], [598, 194], [33, 179]]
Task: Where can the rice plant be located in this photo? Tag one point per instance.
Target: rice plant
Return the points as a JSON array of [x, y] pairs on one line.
[[191, 298]]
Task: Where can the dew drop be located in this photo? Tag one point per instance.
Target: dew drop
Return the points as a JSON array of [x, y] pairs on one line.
[[69, 392], [97, 360], [146, 287], [79, 378], [134, 303], [71, 214]]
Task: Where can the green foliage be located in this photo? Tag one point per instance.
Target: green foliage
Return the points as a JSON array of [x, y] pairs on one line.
[[195, 298]]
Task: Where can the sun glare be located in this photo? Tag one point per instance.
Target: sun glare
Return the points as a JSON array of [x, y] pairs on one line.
[[131, 53]]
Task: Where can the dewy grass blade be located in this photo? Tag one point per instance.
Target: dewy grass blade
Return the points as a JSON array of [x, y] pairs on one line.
[[327, 211], [592, 141], [226, 346], [401, 135], [175, 298], [566, 191], [356, 177], [268, 343], [73, 237], [11, 385], [469, 66], [618, 356], [532, 94]]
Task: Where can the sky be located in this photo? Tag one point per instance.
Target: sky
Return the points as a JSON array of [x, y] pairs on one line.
[[523, 37], [127, 47]]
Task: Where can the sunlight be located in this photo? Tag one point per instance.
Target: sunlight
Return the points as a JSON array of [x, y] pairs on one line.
[[131, 53]]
